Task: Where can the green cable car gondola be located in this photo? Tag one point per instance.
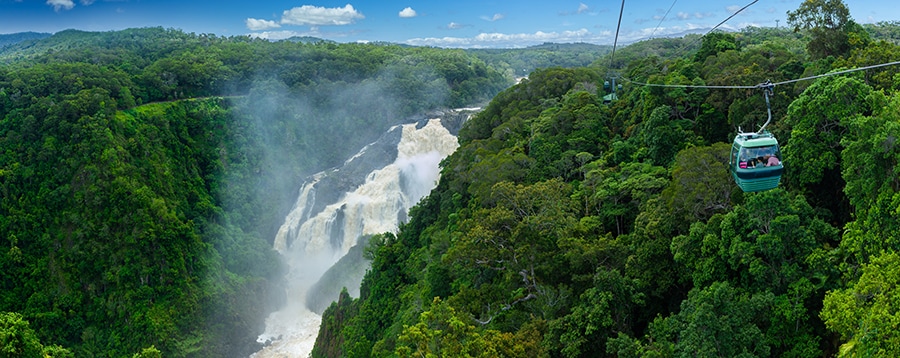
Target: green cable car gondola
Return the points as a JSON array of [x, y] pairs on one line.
[[755, 160], [612, 96]]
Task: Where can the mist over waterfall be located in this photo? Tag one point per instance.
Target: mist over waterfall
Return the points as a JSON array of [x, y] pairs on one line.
[[370, 194]]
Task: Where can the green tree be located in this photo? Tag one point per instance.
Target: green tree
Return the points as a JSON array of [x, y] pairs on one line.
[[867, 313], [870, 168], [505, 253], [603, 309], [827, 22], [817, 122], [17, 339], [701, 185], [149, 352], [715, 321], [615, 195], [769, 242], [662, 137], [576, 125], [876, 53], [714, 43], [773, 243], [720, 321], [442, 332]]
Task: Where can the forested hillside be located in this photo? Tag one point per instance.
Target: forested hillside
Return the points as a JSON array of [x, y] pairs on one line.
[[520, 62], [12, 39], [566, 227], [143, 174]]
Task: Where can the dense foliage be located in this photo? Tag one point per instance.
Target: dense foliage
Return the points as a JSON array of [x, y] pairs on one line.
[[520, 62], [144, 173], [11, 39], [17, 339], [566, 227]]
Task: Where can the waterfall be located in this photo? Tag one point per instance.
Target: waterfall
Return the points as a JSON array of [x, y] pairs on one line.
[[335, 208]]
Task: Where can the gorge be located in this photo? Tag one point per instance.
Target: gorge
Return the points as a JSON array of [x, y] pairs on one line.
[[370, 193]]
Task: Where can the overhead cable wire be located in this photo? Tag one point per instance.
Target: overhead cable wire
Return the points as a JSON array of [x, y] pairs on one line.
[[720, 24], [838, 72], [767, 84], [683, 48], [616, 40], [663, 19], [687, 86]]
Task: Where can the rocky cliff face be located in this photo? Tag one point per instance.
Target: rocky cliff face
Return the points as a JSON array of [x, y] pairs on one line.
[[371, 193]]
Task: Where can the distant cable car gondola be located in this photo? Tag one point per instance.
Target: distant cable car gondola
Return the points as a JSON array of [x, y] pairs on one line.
[[612, 96], [755, 160]]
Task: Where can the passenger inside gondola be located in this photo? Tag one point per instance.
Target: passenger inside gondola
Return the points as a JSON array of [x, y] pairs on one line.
[[745, 158], [771, 160], [758, 158]]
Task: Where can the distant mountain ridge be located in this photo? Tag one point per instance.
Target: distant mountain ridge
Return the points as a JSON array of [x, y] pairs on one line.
[[28, 44], [12, 39], [308, 39]]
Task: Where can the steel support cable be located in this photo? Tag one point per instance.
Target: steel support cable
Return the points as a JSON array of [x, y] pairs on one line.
[[663, 19], [720, 24], [838, 72], [616, 39], [767, 84], [687, 86], [710, 30]]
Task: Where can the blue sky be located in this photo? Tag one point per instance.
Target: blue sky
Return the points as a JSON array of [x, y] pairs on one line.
[[460, 23]]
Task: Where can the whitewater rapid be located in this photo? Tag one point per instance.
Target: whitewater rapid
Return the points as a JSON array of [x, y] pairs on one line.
[[314, 237]]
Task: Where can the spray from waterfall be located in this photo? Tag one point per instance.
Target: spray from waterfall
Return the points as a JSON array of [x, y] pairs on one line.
[[316, 234]]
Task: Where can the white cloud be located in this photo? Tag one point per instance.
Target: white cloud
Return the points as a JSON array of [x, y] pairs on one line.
[[408, 12], [484, 40], [61, 4], [692, 27], [735, 8], [317, 16], [313, 31], [493, 18], [87, 2], [582, 8], [276, 35], [454, 26], [688, 16], [257, 24], [519, 40], [654, 32]]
